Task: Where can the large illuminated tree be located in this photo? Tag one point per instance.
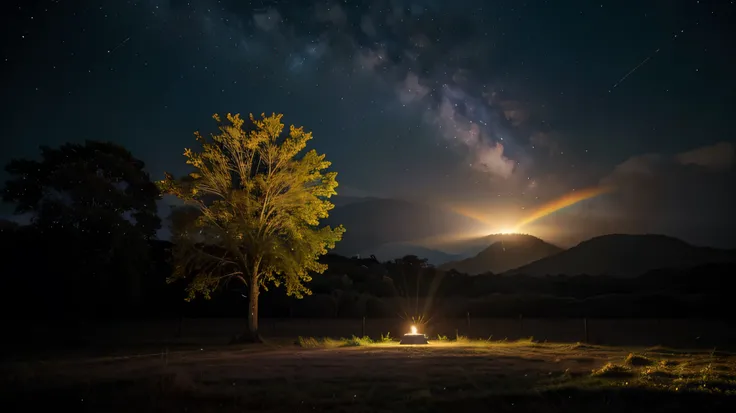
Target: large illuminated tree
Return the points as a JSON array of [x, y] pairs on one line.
[[254, 202]]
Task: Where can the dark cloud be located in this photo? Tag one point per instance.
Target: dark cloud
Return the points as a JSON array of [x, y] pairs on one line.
[[657, 193], [717, 156]]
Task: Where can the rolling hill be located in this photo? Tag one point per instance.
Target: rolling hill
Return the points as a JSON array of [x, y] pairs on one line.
[[626, 256], [506, 252]]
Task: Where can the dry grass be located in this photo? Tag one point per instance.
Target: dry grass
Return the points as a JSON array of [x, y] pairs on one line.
[[354, 341], [360, 374], [459, 341], [614, 371]]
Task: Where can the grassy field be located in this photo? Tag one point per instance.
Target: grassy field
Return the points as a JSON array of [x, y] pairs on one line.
[[363, 375]]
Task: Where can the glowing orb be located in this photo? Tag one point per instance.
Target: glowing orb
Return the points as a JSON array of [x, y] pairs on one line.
[[413, 329]]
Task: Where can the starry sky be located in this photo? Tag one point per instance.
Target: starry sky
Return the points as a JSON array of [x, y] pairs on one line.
[[488, 108]]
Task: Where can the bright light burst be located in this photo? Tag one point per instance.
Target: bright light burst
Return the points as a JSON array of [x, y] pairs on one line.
[[414, 329]]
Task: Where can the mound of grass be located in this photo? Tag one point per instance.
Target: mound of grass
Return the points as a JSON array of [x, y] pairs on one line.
[[613, 371], [637, 360]]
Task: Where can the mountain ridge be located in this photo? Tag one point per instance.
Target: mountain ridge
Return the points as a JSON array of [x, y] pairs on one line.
[[625, 255], [506, 252]]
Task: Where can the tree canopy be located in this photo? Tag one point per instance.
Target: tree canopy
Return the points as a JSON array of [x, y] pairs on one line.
[[253, 206], [79, 186], [94, 209]]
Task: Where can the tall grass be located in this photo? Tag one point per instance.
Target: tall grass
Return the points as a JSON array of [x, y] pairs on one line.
[[354, 341], [459, 340]]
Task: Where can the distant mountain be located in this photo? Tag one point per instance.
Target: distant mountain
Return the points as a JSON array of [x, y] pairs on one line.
[[388, 252], [506, 252], [375, 222], [626, 255], [467, 248]]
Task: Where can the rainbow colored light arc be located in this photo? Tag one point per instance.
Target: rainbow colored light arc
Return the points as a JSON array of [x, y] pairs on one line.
[[563, 202]]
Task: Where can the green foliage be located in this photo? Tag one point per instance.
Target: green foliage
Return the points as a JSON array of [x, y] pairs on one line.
[[253, 206], [440, 337], [387, 338]]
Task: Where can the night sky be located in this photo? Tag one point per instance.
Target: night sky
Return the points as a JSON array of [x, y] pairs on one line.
[[489, 108]]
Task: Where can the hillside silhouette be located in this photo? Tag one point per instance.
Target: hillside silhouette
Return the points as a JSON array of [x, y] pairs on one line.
[[506, 252], [627, 256]]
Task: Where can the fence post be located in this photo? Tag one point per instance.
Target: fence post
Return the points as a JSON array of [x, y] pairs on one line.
[[362, 329], [468, 315], [585, 325]]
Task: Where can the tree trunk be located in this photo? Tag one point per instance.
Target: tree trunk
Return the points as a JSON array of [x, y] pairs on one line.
[[253, 308], [251, 335]]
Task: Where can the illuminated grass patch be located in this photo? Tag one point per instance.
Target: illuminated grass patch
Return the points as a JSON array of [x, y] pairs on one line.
[[383, 341], [614, 371], [354, 341]]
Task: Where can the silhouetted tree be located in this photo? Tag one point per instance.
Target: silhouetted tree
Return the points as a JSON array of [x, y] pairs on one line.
[[253, 212], [94, 208]]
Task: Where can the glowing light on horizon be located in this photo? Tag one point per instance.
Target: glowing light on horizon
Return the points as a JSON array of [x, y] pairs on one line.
[[551, 207], [563, 202]]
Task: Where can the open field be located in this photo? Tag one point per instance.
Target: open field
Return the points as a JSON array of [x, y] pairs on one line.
[[156, 335], [362, 376]]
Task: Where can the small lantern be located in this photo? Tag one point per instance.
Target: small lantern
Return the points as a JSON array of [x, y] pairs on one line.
[[414, 337]]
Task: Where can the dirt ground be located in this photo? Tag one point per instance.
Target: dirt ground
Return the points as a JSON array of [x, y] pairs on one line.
[[503, 376]]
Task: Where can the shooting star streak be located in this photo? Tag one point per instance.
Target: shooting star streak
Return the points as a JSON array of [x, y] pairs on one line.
[[119, 45], [642, 63]]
